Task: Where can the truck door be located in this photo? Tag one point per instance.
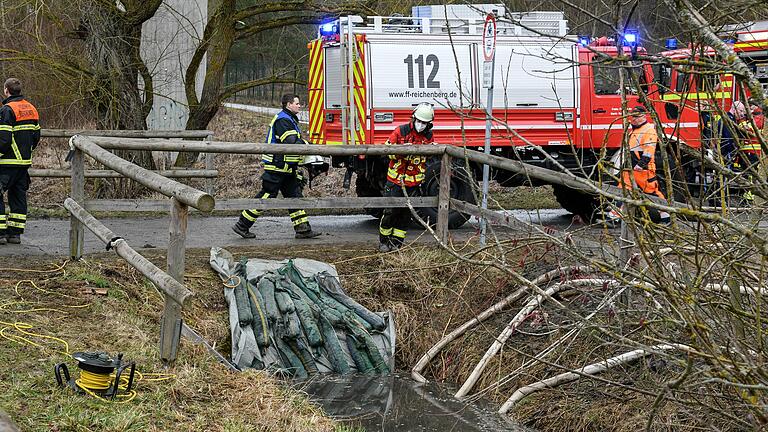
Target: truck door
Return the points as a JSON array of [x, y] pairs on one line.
[[602, 123]]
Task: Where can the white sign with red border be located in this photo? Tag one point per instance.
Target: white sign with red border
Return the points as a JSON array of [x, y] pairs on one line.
[[489, 37]]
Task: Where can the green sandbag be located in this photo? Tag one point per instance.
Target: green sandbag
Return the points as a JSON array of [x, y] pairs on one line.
[[283, 298], [260, 326], [362, 363], [333, 348], [291, 325], [311, 331], [244, 315], [304, 355], [366, 343], [330, 285], [291, 359], [267, 289], [311, 299]]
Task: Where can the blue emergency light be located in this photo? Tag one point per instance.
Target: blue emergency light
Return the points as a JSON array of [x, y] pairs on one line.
[[671, 43], [630, 38], [329, 28], [584, 40]]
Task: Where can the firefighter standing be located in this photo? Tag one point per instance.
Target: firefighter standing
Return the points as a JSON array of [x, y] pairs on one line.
[[749, 148], [405, 172], [19, 136], [281, 172], [642, 148]]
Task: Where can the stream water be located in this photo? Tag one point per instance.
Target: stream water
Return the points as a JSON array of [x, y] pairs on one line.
[[397, 403]]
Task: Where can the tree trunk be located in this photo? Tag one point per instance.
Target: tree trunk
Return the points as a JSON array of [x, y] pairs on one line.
[[113, 42]]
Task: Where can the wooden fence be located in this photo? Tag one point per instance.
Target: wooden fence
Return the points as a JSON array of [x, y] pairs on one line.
[[182, 197]]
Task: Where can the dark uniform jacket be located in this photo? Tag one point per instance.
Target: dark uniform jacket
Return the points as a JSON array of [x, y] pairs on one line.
[[19, 132], [284, 129]]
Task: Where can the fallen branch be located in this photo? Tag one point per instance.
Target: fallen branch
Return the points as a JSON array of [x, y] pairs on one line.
[[519, 317], [432, 352], [592, 369]]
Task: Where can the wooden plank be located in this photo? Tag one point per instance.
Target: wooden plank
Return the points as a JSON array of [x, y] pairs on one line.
[[444, 197], [66, 133], [162, 280], [260, 148], [186, 194], [139, 205], [172, 321], [210, 184], [175, 173], [76, 229]]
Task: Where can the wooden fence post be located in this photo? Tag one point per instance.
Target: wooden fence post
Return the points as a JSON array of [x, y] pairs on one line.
[[170, 330], [210, 183], [444, 198], [76, 229]]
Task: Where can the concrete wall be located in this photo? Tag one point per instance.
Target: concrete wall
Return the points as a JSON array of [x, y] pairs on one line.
[[168, 42]]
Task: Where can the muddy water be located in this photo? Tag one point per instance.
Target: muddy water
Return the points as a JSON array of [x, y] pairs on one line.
[[397, 403]]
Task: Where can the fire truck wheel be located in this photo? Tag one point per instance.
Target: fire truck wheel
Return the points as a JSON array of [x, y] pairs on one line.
[[460, 189], [364, 188], [579, 203]]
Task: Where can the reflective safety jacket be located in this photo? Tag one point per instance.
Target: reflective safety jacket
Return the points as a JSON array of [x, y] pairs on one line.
[[284, 129], [642, 147], [19, 131], [751, 142], [408, 170]]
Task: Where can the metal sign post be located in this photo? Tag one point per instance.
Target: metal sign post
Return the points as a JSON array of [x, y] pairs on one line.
[[489, 52]]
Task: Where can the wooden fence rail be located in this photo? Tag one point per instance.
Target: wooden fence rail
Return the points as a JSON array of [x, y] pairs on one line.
[[172, 287]]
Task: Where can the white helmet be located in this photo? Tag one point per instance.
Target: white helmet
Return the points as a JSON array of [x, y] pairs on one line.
[[424, 112], [313, 160]]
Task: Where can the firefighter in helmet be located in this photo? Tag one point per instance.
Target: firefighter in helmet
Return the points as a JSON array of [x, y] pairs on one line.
[[282, 173], [642, 149], [404, 175], [19, 135]]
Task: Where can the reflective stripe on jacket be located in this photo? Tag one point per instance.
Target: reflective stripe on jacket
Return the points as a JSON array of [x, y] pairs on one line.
[[407, 170], [19, 131], [751, 143], [283, 129]]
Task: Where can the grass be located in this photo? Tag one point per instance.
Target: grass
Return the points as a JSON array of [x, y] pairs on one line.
[[429, 292], [199, 394]]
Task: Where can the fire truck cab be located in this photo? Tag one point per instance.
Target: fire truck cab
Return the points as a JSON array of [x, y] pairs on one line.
[[557, 98]]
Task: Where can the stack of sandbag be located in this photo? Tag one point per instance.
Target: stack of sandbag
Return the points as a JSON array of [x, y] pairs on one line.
[[302, 322]]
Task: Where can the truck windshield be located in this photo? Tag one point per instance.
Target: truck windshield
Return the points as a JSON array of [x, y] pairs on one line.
[[607, 79]]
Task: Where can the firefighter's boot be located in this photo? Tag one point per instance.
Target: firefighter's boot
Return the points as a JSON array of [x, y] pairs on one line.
[[13, 238], [395, 243], [3, 239], [304, 231], [242, 227], [384, 246]]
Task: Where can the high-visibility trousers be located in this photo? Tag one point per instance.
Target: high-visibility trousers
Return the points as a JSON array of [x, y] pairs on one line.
[[646, 180]]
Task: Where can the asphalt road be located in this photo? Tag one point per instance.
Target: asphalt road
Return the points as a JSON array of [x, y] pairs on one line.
[[51, 236]]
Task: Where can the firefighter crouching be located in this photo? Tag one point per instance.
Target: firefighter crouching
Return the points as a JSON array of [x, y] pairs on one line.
[[19, 136], [282, 172], [642, 148], [404, 176]]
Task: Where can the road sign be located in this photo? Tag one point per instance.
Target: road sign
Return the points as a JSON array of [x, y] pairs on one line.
[[488, 74], [489, 37]]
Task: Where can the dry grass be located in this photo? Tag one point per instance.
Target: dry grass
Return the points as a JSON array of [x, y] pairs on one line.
[[427, 289], [202, 395]]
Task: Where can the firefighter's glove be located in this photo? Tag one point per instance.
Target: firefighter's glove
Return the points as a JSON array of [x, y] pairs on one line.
[[643, 163]]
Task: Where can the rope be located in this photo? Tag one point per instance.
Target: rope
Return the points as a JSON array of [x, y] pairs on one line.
[[21, 333]]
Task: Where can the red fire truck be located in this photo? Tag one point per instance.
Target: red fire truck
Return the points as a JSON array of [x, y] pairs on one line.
[[553, 94]]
